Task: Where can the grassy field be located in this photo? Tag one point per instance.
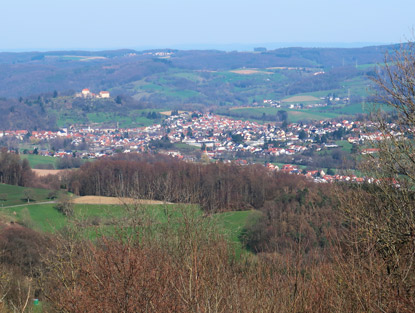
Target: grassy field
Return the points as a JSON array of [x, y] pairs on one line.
[[131, 118], [256, 81], [134, 119], [304, 98], [44, 217], [94, 217], [185, 148], [233, 223], [280, 165], [41, 217], [355, 108], [301, 115], [345, 145], [168, 91], [35, 160], [66, 119], [192, 76], [367, 66], [358, 86], [241, 85], [15, 194]]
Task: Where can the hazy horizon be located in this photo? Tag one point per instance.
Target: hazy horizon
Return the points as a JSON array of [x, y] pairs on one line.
[[186, 24], [207, 46]]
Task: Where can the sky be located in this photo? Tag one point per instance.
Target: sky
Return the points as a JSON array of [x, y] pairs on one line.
[[116, 24]]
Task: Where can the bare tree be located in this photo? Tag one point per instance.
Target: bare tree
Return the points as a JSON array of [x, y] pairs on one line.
[[29, 194], [381, 215]]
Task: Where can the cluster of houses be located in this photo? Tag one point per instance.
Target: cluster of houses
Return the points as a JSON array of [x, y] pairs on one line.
[[318, 176], [272, 103], [87, 94], [218, 136], [162, 54]]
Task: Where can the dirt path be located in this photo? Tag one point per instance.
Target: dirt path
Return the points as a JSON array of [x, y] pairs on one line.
[[26, 204]]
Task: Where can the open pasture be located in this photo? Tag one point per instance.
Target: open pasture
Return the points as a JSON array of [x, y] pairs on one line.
[[39, 160], [102, 217], [15, 195]]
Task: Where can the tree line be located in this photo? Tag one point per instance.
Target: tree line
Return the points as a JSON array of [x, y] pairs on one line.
[[216, 187]]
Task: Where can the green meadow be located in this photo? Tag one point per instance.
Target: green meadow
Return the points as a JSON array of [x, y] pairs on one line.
[[15, 195], [344, 145], [36, 160], [96, 218], [232, 224]]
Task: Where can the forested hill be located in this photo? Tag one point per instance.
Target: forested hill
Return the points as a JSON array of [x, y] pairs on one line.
[[29, 73]]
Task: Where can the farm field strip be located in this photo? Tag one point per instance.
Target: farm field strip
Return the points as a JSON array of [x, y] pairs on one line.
[[114, 200], [304, 98]]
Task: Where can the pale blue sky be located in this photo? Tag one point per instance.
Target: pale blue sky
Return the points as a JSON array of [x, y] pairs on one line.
[[100, 24]]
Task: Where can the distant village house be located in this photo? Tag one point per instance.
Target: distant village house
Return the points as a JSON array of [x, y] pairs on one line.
[[104, 94]]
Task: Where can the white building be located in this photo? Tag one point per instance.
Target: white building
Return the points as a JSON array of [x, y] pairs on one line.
[[104, 94], [85, 92]]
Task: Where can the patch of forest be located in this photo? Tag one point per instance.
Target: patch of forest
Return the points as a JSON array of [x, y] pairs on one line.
[[220, 187]]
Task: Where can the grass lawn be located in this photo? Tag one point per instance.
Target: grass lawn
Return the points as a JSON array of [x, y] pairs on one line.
[[35, 160], [184, 147], [345, 145], [15, 194]]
